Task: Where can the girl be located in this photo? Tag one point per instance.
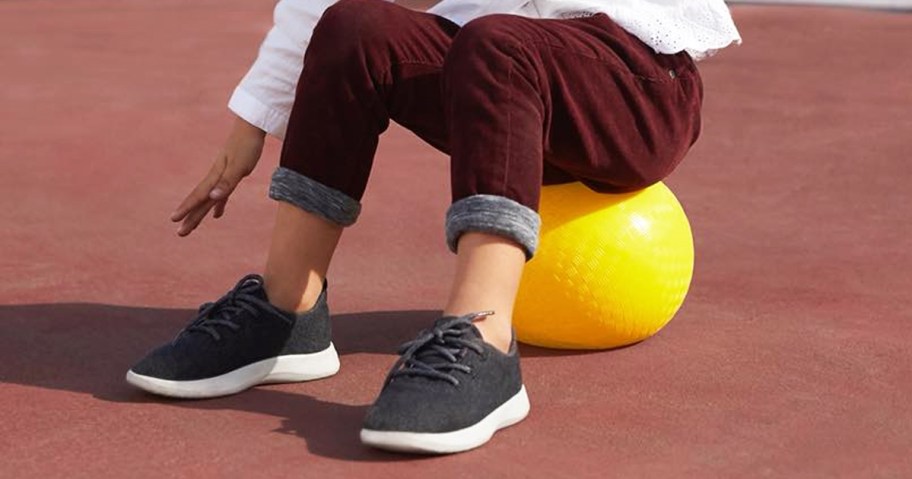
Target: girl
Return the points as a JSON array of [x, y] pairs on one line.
[[519, 93]]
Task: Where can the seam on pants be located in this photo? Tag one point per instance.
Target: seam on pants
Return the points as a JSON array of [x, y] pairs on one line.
[[517, 51], [614, 62], [503, 187], [417, 62]]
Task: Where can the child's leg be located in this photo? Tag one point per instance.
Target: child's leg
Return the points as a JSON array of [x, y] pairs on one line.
[[488, 270], [369, 61], [302, 247], [582, 96]]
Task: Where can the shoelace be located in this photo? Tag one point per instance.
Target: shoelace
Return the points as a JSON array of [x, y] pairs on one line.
[[436, 352], [222, 312]]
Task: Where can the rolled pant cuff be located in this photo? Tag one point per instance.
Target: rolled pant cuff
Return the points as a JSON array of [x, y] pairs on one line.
[[495, 215], [309, 195]]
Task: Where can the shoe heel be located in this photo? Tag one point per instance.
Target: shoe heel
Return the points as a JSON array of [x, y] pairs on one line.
[[292, 368]]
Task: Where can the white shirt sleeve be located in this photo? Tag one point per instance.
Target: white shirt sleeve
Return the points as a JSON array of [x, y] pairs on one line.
[[266, 93]]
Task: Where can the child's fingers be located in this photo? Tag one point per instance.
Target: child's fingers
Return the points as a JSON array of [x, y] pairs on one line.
[[200, 194], [220, 209], [194, 218], [225, 185]]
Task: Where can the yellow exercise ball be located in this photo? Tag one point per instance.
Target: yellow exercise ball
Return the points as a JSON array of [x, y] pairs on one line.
[[610, 269]]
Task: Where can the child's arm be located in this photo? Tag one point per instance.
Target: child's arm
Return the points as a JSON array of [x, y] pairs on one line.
[[262, 103]]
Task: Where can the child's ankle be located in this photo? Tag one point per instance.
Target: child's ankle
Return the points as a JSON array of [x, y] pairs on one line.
[[292, 300], [495, 334]]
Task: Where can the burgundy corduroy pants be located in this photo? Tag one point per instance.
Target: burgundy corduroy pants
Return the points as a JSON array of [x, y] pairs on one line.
[[515, 102]]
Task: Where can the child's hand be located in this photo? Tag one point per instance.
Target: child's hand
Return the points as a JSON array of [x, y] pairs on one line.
[[236, 160]]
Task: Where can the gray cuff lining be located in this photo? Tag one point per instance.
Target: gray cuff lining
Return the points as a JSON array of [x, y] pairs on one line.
[[309, 195], [494, 215]]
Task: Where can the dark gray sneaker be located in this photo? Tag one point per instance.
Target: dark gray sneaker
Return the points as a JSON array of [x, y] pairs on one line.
[[238, 342], [448, 392]]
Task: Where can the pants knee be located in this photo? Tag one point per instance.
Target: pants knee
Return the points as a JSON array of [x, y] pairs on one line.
[[351, 27], [485, 41]]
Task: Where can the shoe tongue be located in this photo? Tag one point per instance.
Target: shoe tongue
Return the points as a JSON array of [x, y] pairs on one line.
[[252, 284], [259, 292]]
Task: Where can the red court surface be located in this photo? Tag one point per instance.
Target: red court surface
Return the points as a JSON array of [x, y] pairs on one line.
[[790, 358]]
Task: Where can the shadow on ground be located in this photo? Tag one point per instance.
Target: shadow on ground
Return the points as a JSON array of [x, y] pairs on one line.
[[87, 348]]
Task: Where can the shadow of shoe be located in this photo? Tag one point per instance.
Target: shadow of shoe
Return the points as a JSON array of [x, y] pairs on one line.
[[87, 348]]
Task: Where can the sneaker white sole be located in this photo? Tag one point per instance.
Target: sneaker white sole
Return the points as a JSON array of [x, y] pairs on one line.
[[280, 369], [507, 414]]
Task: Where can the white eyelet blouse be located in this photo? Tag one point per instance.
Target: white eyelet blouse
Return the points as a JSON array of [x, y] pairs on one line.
[[266, 93]]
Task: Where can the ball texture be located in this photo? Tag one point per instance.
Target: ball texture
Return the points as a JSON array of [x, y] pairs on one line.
[[610, 269]]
